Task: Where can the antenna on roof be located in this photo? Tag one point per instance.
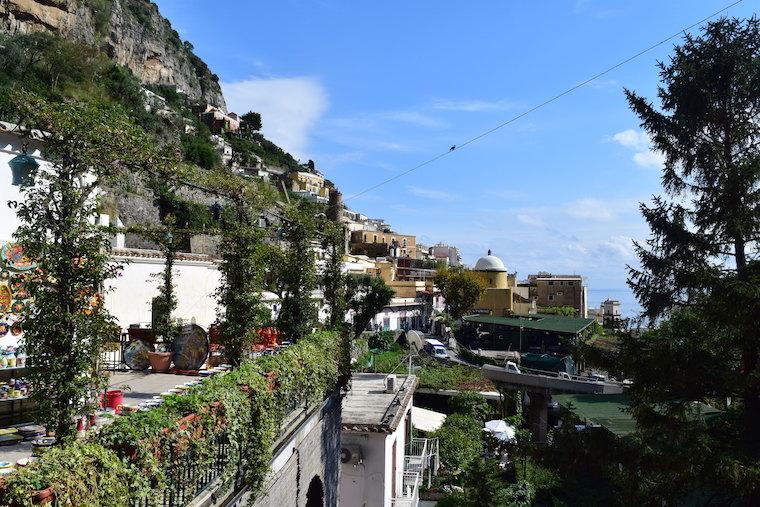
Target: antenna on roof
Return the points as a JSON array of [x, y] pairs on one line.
[[489, 251]]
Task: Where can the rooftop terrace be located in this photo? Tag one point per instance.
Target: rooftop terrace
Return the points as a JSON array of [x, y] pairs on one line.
[[538, 322], [368, 407]]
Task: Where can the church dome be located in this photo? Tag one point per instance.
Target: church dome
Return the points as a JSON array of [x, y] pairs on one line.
[[490, 263]]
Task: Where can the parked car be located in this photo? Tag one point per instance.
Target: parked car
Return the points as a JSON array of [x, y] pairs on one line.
[[435, 349], [512, 367]]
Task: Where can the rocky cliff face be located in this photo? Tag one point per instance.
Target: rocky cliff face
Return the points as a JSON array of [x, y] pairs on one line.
[[132, 32]]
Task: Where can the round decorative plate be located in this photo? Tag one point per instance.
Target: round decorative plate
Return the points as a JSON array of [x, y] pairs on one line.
[[5, 274], [5, 299], [18, 307], [136, 355], [4, 328], [16, 329], [190, 348], [13, 257]]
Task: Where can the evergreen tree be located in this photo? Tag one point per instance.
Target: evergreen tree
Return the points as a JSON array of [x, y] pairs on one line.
[[333, 279], [702, 256]]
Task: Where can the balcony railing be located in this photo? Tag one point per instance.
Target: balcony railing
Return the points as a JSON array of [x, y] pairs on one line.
[[409, 496], [420, 463]]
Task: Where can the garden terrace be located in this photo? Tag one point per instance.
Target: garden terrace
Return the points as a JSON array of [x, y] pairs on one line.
[[217, 438]]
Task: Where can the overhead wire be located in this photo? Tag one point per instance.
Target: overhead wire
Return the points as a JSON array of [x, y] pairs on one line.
[[457, 147]]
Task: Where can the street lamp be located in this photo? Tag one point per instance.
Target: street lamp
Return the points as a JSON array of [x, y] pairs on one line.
[[22, 167], [216, 211]]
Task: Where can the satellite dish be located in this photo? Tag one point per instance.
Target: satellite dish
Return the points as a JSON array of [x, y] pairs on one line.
[[345, 455]]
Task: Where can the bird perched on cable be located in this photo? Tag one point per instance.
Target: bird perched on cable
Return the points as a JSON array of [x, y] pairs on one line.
[[453, 147]]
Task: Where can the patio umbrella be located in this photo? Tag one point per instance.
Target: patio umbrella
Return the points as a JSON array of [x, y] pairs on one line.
[[496, 426], [506, 436]]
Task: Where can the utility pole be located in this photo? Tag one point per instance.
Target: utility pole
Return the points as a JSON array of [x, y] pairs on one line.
[[520, 351]]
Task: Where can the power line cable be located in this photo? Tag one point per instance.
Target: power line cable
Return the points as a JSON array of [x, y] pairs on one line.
[[546, 102]]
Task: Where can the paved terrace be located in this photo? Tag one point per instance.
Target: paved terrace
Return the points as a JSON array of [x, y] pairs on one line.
[[138, 387]]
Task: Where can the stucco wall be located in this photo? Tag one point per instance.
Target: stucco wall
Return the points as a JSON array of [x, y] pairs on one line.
[[370, 483], [313, 451], [132, 292]]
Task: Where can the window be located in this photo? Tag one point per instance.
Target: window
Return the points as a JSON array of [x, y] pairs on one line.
[[374, 238], [551, 297], [561, 282], [551, 282], [571, 283], [404, 242], [383, 239], [560, 293], [365, 238]]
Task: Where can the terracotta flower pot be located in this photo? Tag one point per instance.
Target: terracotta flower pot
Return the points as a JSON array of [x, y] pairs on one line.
[[43, 496], [160, 361]]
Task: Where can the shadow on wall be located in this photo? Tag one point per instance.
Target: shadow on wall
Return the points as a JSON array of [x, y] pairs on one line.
[[331, 415]]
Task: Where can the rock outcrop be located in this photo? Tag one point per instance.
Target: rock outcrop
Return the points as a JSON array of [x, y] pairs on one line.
[[132, 32]]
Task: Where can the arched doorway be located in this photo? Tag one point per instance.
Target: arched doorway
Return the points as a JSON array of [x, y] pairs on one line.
[[315, 495]]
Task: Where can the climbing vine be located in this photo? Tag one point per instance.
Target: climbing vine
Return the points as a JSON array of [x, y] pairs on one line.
[[136, 457]]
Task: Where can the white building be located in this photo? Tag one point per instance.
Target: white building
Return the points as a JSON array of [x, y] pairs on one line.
[[381, 465], [447, 254], [129, 296]]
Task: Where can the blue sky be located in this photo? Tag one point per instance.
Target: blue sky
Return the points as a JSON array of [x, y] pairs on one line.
[[370, 89]]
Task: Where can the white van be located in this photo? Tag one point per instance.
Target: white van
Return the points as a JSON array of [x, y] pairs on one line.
[[435, 349]]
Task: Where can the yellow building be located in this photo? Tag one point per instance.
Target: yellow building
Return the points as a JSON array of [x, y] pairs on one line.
[[497, 297], [310, 186]]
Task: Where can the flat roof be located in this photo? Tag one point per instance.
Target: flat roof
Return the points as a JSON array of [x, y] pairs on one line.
[[369, 408], [539, 322], [610, 410]]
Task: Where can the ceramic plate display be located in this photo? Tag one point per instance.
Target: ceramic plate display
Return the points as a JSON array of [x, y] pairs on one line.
[[13, 257], [5, 299], [5, 274], [18, 307], [136, 355], [4, 328], [10, 439], [16, 329], [190, 348], [20, 293]]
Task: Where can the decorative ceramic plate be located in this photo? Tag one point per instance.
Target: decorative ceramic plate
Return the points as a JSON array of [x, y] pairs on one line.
[[18, 307], [4, 328], [5, 274], [136, 355], [13, 257], [16, 329], [5, 299], [190, 348], [20, 293]]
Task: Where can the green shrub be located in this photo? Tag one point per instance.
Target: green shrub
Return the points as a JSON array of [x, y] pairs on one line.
[[471, 403], [114, 467], [382, 340], [459, 441], [80, 474]]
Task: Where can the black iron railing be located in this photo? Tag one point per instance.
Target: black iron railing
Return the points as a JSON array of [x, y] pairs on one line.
[[187, 480]]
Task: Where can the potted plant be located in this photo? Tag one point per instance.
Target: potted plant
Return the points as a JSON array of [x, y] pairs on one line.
[[161, 359]]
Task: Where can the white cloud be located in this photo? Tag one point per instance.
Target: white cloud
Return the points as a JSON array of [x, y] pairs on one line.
[[414, 118], [649, 159], [531, 220], [590, 209], [619, 246], [289, 107], [472, 106], [640, 142], [428, 193]]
